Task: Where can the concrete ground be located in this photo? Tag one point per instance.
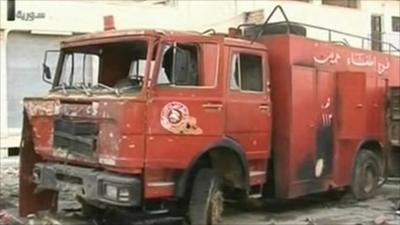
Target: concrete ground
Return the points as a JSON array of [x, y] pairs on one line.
[[312, 210]]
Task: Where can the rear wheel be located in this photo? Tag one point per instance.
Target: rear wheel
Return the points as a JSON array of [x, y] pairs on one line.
[[365, 175], [207, 201]]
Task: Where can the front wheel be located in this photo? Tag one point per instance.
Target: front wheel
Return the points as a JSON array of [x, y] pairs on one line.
[[207, 201], [365, 175]]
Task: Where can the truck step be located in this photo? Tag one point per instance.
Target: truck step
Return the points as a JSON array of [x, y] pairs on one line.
[[259, 195], [157, 212]]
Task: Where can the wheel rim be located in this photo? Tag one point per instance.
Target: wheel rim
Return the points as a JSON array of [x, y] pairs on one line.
[[369, 178], [216, 207]]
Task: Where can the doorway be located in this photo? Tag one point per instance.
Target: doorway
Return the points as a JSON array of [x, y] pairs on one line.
[[376, 32]]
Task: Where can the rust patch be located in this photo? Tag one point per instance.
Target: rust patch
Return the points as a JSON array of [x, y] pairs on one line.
[[41, 107], [79, 110], [65, 154]]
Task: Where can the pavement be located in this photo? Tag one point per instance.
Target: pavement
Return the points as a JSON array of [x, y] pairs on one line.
[[320, 209]]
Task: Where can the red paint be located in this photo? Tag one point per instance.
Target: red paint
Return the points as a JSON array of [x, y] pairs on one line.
[[312, 90]]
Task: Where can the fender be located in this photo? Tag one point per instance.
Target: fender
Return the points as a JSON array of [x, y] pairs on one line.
[[225, 142], [363, 142]]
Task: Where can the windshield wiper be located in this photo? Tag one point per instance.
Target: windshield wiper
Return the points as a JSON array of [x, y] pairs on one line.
[[115, 90], [84, 88], [63, 88]]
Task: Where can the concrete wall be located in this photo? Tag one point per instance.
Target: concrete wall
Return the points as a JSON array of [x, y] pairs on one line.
[[86, 16], [355, 21]]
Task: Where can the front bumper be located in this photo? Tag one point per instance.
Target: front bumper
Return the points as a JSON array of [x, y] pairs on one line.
[[90, 184]]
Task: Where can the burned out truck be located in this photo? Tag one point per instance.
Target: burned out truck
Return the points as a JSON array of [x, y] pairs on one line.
[[153, 120]]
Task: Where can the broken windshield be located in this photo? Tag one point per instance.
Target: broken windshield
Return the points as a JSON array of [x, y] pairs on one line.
[[107, 68]]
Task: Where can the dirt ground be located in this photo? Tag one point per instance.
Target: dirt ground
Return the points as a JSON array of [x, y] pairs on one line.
[[312, 210]]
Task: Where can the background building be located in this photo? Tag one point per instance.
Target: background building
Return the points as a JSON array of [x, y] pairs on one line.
[[28, 28]]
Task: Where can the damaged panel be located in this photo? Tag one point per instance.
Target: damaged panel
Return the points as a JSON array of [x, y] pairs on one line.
[[75, 136]]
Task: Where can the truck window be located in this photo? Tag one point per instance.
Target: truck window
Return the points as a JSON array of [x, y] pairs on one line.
[[104, 68], [83, 67], [188, 65], [246, 72]]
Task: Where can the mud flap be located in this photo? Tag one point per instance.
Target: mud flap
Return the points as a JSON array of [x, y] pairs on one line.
[[29, 202]]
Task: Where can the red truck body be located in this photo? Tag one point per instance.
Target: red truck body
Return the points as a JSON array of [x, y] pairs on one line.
[[319, 104], [308, 74]]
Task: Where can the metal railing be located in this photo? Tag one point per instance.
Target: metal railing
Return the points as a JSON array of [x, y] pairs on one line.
[[330, 32]]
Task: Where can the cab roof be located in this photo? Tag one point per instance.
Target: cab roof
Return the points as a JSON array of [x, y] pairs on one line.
[[125, 35]]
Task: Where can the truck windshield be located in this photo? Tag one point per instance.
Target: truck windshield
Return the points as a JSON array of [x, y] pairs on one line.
[[107, 68]]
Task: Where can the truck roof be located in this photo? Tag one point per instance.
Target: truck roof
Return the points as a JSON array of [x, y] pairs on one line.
[[121, 35]]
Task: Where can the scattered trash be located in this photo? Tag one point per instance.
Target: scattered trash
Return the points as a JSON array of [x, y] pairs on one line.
[[33, 219], [5, 218], [310, 221], [380, 220], [50, 221]]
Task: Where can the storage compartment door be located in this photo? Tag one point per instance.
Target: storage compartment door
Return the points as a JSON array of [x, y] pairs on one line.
[[351, 104]]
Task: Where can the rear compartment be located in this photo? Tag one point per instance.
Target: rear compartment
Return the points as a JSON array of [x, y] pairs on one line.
[[332, 104]]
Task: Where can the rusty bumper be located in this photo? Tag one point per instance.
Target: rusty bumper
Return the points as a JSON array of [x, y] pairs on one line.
[[90, 184]]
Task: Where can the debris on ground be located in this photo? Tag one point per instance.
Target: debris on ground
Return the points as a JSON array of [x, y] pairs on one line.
[[34, 219], [384, 209], [310, 221], [5, 218], [380, 220]]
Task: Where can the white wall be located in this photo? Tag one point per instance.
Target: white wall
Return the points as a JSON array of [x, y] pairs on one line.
[[3, 87], [87, 16], [355, 21], [386, 9]]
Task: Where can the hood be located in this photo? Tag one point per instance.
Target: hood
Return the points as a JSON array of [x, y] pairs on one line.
[[98, 132]]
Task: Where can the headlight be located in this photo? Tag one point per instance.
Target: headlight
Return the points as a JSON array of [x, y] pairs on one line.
[[116, 192], [110, 191], [124, 195]]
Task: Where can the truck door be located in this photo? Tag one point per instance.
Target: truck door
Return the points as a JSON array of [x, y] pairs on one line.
[[324, 130], [185, 109], [310, 157], [248, 113]]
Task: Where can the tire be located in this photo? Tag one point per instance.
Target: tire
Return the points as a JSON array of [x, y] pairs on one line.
[[206, 203], [395, 163], [366, 175]]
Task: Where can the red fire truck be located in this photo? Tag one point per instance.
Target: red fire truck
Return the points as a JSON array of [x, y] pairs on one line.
[[145, 120]]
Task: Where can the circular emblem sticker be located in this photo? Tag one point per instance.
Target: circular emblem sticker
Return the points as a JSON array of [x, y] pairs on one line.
[[173, 115], [176, 119]]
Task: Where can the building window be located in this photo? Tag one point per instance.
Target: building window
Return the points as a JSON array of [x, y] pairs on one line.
[[396, 23], [11, 10], [343, 3]]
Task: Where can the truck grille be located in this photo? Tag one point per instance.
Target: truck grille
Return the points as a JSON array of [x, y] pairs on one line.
[[75, 136]]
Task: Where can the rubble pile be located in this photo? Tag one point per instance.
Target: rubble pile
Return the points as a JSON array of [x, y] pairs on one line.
[[9, 183]]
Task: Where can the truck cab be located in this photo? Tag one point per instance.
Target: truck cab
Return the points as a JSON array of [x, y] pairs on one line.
[[137, 118]]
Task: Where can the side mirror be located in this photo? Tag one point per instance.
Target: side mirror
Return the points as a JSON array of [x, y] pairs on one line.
[[46, 71]]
